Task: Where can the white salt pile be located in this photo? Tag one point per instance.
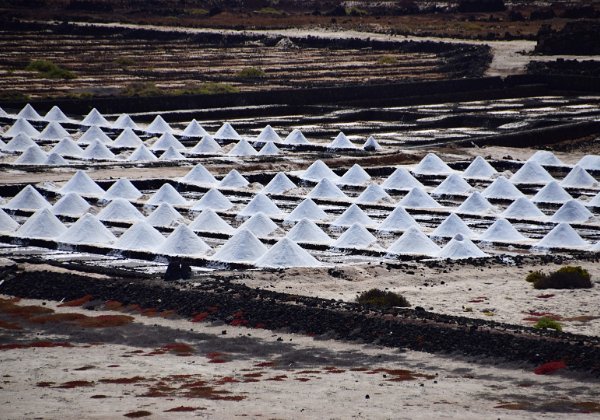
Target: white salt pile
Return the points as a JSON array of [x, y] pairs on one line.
[[476, 203], [67, 147], [165, 141], [307, 231], [242, 148], [3, 113], [34, 155], [341, 142], [279, 184], [122, 188], [127, 139], [94, 133], [140, 236], [167, 194], [452, 185], [29, 113], [327, 190], [19, 143], [551, 193], [233, 180], [479, 169], [452, 226], [158, 126], [227, 132], [206, 146], [171, 154], [71, 204], [562, 236], [417, 198], [259, 224], [502, 231], [199, 175], [165, 216], [209, 221], [401, 179], [243, 247], [590, 162], [260, 203], [431, 164], [578, 178], [194, 129], [594, 202], [572, 212], [183, 241], [356, 236], [87, 230], [53, 131], [120, 210], [269, 149], [531, 173], [287, 253], [98, 151], [414, 242], [21, 126], [502, 188], [42, 224], [56, 114], [371, 145], [7, 223], [398, 220], [356, 175], [125, 122], [54, 159], [545, 158], [307, 209], [27, 199], [460, 248], [95, 118], [523, 208], [295, 138], [317, 171], [142, 154], [213, 199], [373, 194], [268, 135], [353, 215]]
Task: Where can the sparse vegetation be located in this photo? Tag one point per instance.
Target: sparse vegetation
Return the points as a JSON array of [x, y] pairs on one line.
[[251, 73], [49, 70], [545, 323], [387, 59], [207, 88], [124, 62], [568, 277], [142, 89], [270, 11], [382, 299], [197, 12], [356, 11]]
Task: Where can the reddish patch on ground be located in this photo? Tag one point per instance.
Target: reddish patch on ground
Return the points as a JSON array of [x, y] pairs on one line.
[[180, 349], [170, 313], [9, 306], [77, 302], [479, 299], [550, 367], [137, 414], [306, 372], [250, 380], [514, 406], [86, 367], [150, 312], [183, 409], [333, 369], [278, 378], [535, 316], [548, 296], [35, 344], [588, 406], [75, 384], [260, 326], [10, 325], [212, 309], [359, 369], [131, 380], [226, 380], [400, 375], [200, 317], [44, 384], [302, 379], [253, 375], [265, 364], [98, 396], [104, 321], [216, 357], [581, 318], [113, 305]]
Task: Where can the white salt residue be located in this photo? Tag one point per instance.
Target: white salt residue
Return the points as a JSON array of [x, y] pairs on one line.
[[95, 118], [502, 188], [451, 226], [317, 171], [7, 223], [326, 189], [213, 199], [34, 155], [268, 135], [453, 185], [353, 215], [81, 183], [227, 132], [183, 241], [578, 178], [87, 230], [417, 198], [21, 125], [260, 203], [243, 247], [94, 133], [523, 208], [171, 154], [122, 188], [269, 149], [545, 158], [431, 164], [242, 148], [206, 146], [29, 113], [27, 199], [165, 141], [279, 184], [67, 147], [356, 175], [140, 236], [591, 162], [199, 175], [54, 159], [307, 209], [19, 143], [551, 193], [142, 154], [259, 224], [120, 210], [194, 129], [53, 131], [476, 204], [480, 169], [397, 220], [71, 204], [531, 173], [460, 248], [158, 126], [562, 236], [414, 242], [56, 114], [295, 138], [98, 151], [167, 194], [341, 142], [356, 236], [124, 122], [307, 231], [572, 212], [287, 253], [165, 215], [502, 231], [371, 145], [373, 194], [127, 139], [42, 224], [401, 179], [234, 180], [209, 221]]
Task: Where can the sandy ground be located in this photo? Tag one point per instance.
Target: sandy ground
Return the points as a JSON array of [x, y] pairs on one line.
[[262, 374]]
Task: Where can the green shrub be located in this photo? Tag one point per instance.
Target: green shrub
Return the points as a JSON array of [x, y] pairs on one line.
[[534, 276], [251, 73], [207, 88], [356, 11], [269, 11], [382, 299], [545, 323], [568, 277], [142, 89], [49, 70], [387, 59], [197, 12]]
